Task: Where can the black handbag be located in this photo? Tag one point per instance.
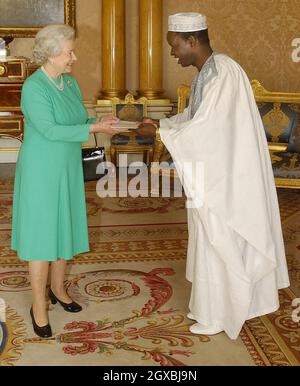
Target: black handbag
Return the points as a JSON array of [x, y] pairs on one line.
[[91, 158]]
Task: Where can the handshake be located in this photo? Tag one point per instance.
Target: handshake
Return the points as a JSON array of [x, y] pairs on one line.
[[147, 128], [112, 125]]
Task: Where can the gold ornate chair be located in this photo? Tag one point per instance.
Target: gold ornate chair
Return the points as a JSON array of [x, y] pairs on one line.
[[280, 113], [130, 109]]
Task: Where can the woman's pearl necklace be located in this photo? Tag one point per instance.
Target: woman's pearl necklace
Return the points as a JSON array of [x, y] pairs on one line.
[[59, 86]]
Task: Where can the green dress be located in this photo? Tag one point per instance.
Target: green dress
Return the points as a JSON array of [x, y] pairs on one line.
[[49, 210]]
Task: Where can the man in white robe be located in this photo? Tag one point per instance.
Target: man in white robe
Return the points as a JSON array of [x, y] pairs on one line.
[[236, 260]]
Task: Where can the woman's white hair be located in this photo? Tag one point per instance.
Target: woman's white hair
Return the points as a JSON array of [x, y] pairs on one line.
[[49, 41]]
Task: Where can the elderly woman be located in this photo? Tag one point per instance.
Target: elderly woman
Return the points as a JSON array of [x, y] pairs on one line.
[[49, 213]]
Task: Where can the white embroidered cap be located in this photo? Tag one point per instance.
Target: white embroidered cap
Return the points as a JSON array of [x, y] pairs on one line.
[[187, 22]]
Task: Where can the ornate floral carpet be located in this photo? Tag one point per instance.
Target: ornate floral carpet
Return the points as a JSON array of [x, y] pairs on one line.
[[134, 294]]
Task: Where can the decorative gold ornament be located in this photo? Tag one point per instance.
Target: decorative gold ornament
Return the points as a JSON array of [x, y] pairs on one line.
[[2, 70]]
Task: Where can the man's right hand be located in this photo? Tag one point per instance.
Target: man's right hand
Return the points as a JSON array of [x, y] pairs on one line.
[[147, 130], [154, 122]]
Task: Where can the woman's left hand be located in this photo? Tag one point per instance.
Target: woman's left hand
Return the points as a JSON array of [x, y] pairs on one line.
[[109, 119]]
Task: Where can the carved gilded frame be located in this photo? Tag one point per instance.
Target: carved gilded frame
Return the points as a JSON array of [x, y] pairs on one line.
[[263, 95], [129, 101], [25, 31], [183, 93]]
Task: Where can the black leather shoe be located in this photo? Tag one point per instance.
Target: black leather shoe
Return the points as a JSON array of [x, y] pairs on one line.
[[70, 307], [44, 331]]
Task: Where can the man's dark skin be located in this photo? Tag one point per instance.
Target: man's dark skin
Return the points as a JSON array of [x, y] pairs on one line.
[[191, 49]]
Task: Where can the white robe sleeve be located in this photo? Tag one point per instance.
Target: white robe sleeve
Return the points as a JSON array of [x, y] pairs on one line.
[[176, 122]]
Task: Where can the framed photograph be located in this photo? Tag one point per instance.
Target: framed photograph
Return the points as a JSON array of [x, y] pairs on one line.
[[24, 18], [129, 109]]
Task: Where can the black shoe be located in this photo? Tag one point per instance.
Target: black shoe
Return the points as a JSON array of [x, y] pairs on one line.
[[43, 332], [70, 307]]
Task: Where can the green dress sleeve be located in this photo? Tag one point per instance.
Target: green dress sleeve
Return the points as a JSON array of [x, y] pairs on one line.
[[37, 108]]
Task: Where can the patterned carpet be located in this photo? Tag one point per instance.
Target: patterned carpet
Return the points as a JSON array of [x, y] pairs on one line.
[[134, 294]]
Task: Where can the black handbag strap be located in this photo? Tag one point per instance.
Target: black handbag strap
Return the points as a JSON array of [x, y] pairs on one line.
[[95, 137]]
